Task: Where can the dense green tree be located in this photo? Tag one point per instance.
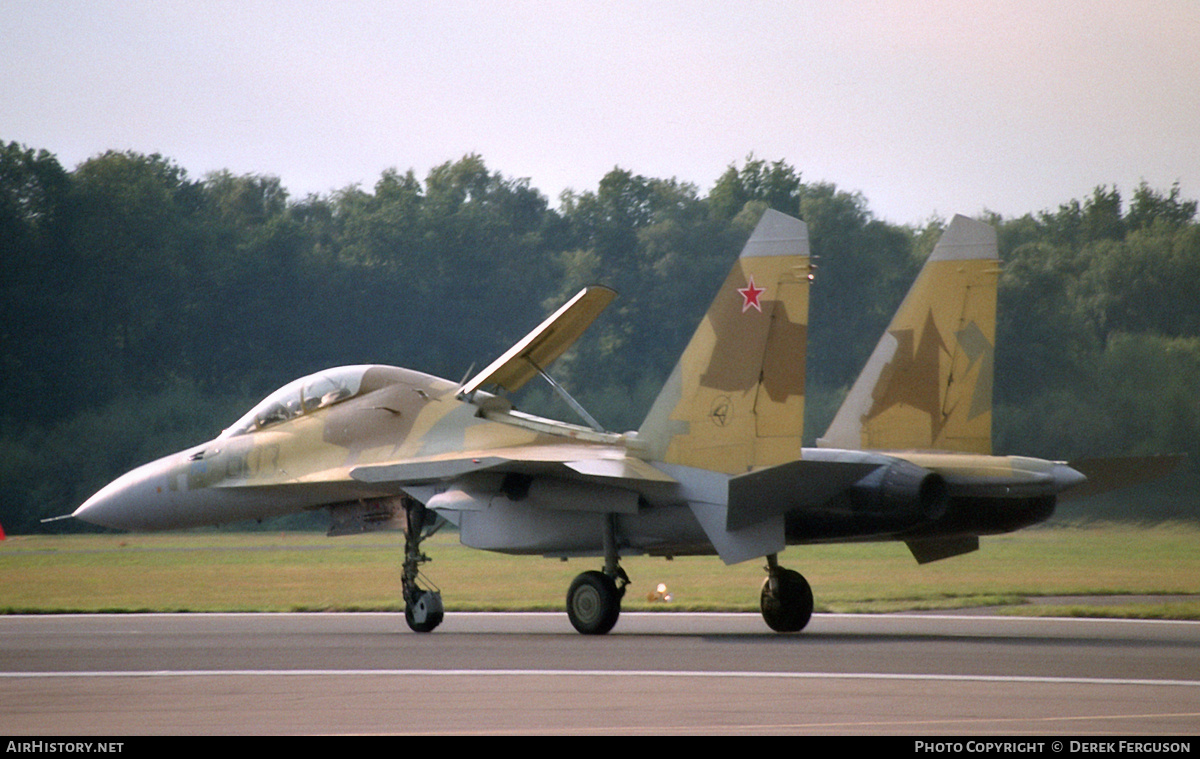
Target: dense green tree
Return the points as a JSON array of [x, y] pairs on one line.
[[1076, 223], [430, 260], [1150, 208], [138, 225], [1044, 330], [776, 184], [240, 203], [864, 267], [36, 292], [1150, 282]]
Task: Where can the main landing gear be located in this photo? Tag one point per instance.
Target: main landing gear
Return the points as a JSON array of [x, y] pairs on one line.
[[594, 598], [422, 608], [787, 599]]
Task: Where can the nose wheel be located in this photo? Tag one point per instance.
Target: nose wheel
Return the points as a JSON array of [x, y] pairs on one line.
[[424, 611], [787, 599], [422, 606]]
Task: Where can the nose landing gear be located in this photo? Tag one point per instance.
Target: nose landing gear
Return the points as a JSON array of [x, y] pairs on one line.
[[422, 607]]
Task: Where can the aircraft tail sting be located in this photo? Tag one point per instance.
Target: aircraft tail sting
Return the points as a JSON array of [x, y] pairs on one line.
[[735, 400]]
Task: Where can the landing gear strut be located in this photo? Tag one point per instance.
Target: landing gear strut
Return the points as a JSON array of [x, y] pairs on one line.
[[422, 608], [787, 599], [594, 598]]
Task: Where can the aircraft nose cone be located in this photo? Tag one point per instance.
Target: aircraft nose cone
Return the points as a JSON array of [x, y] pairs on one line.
[[128, 502]]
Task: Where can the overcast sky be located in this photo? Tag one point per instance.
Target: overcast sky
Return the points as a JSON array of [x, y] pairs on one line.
[[925, 107]]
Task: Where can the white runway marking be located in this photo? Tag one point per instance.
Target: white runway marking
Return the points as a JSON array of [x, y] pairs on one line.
[[604, 673]]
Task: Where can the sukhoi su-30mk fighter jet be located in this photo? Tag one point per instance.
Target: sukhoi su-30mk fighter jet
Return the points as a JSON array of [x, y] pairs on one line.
[[716, 468]]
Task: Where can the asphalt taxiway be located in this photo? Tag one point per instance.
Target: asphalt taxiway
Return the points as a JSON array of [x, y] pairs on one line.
[[661, 673]]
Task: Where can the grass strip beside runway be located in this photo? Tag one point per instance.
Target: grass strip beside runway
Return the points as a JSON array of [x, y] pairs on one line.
[[267, 571]]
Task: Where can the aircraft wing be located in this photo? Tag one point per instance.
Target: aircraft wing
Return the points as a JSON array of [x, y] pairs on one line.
[[558, 478], [545, 343], [597, 463]]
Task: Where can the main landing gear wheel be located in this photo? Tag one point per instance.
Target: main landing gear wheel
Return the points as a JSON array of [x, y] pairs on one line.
[[787, 600], [594, 598], [594, 603]]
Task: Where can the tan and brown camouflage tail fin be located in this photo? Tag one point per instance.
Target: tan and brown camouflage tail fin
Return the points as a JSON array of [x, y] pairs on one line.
[[928, 383], [735, 401]]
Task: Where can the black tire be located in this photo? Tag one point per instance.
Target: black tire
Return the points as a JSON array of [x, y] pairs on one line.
[[593, 603], [431, 619], [790, 607]]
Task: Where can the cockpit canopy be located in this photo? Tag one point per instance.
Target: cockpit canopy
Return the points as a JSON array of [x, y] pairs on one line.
[[302, 396]]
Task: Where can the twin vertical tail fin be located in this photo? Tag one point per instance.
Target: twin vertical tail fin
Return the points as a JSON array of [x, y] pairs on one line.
[[928, 383], [735, 400]]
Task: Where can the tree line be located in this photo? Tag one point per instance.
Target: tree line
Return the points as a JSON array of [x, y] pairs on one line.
[[142, 309]]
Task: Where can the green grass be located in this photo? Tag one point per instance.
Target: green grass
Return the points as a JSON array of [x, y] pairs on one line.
[[221, 571]]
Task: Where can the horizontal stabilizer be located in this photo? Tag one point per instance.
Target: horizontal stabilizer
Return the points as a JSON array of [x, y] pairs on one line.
[[1105, 474], [545, 343], [758, 496], [936, 549]]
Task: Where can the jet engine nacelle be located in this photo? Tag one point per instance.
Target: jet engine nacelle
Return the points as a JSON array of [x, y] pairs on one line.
[[902, 488], [893, 496]]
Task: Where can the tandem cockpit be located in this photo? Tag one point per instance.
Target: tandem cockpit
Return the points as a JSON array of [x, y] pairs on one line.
[[336, 386], [302, 396]]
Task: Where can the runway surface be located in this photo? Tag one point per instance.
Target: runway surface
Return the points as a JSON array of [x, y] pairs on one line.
[[660, 673]]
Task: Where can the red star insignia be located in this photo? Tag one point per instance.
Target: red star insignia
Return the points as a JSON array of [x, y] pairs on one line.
[[750, 295]]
